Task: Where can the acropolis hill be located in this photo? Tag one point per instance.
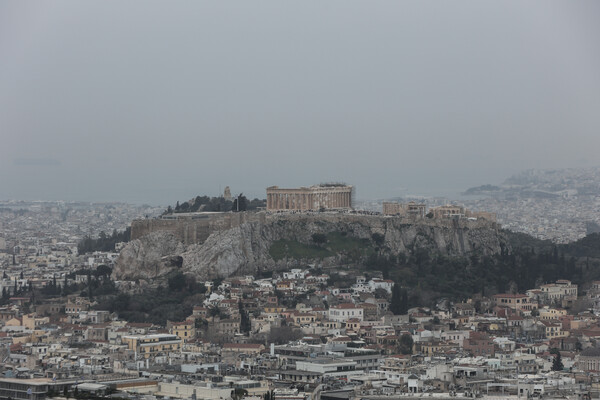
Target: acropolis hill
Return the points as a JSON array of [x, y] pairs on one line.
[[222, 244]]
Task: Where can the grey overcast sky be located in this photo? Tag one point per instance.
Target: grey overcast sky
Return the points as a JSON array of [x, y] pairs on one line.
[[146, 101]]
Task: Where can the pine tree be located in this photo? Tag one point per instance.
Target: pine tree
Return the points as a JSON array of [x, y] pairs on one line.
[[404, 303], [396, 305], [89, 279], [240, 203], [245, 324], [406, 344], [557, 364]]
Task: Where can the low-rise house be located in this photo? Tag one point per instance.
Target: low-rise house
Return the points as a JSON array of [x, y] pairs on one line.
[[345, 311], [518, 302], [561, 292], [98, 316], [589, 360], [301, 319], [554, 329], [30, 321], [384, 284], [227, 327], [548, 313], [185, 330], [455, 336], [96, 332], [479, 344]]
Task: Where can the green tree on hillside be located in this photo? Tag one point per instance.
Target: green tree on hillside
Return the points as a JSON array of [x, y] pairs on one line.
[[319, 238], [245, 324], [406, 344], [399, 304], [240, 203], [557, 364], [177, 282]]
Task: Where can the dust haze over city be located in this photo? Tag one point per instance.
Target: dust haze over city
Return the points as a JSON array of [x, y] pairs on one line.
[[151, 102]]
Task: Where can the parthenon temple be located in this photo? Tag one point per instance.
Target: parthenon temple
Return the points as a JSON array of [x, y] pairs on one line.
[[309, 198]]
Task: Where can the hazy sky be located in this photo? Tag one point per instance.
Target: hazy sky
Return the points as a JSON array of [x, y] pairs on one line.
[[155, 102]]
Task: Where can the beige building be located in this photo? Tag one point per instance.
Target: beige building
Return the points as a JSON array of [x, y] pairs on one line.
[[30, 321], [554, 329], [448, 211], [149, 346], [185, 330], [558, 292], [309, 198], [547, 314], [589, 360], [518, 302], [404, 209], [453, 211]]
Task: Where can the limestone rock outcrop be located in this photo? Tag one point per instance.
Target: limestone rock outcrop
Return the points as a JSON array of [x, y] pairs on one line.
[[150, 257], [245, 248]]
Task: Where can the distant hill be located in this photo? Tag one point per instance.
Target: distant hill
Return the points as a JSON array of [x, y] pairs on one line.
[[582, 181], [534, 183], [483, 189]]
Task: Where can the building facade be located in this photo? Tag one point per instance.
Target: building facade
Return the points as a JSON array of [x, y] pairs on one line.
[[150, 346], [559, 291], [345, 311], [517, 302], [404, 209], [313, 198]]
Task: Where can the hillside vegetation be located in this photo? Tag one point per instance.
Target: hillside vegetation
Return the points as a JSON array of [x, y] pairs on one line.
[[103, 242], [530, 263], [324, 245]]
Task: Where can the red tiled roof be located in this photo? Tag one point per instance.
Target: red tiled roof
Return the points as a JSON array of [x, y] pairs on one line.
[[345, 306], [242, 346]]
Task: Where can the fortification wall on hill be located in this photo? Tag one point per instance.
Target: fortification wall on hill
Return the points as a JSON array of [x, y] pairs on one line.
[[196, 228], [378, 221]]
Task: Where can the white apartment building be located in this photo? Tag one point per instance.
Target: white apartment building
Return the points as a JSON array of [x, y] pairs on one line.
[[345, 311], [561, 290]]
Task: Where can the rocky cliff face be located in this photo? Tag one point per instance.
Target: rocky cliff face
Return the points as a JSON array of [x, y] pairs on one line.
[[151, 257], [245, 248]]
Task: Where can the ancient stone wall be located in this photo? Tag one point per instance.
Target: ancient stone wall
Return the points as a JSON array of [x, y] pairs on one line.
[[195, 227], [374, 220]]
